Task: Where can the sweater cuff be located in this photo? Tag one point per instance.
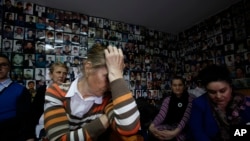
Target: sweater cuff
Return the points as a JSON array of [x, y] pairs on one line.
[[95, 128]]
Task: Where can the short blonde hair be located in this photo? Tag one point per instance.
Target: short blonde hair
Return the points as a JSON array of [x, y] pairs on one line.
[[57, 64]]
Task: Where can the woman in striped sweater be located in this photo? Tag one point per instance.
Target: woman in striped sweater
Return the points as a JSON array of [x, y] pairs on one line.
[[94, 106], [170, 123]]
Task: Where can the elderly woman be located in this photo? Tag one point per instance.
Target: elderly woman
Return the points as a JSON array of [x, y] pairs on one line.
[[97, 105], [215, 113]]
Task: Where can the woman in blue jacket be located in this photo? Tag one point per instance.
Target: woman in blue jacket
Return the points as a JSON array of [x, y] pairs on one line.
[[216, 113]]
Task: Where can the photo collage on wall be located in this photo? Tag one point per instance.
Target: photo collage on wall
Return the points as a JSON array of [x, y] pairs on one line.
[[223, 39], [36, 36]]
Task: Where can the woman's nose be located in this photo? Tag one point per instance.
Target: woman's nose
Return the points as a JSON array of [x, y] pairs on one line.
[[218, 95]]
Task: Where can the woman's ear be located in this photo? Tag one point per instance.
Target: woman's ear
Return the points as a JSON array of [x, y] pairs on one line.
[[87, 67]]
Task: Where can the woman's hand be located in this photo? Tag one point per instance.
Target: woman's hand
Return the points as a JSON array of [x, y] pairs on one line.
[[163, 134], [168, 134], [157, 133], [115, 62], [152, 128]]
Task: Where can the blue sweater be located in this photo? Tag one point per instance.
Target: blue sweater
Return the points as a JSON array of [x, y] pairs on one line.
[[15, 103], [202, 124]]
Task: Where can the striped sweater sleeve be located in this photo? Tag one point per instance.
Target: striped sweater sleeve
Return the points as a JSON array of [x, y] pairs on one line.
[[56, 122], [122, 112], [162, 113]]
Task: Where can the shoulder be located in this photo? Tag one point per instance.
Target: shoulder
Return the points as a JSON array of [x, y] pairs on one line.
[[201, 100], [166, 99], [17, 86], [58, 90]]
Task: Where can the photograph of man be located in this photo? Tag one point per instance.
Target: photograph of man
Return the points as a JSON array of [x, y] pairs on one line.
[[31, 88], [29, 47], [76, 61], [19, 7], [49, 36], [67, 28], [19, 32], [40, 24], [58, 50], [83, 52], [40, 47], [84, 19], [59, 37], [75, 40], [40, 61], [17, 60], [59, 26], [8, 6], [40, 35], [50, 24], [229, 60], [20, 20], [40, 74], [66, 39], [7, 45], [30, 21], [68, 61], [30, 34], [75, 51], [50, 59], [9, 18], [28, 74], [67, 50], [17, 46], [8, 32], [28, 9], [29, 60]]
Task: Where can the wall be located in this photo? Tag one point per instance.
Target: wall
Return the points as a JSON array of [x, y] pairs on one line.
[[46, 35], [221, 39], [151, 57]]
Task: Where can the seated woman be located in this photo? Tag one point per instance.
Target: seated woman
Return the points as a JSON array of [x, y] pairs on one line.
[[97, 105], [170, 123], [214, 113], [58, 73]]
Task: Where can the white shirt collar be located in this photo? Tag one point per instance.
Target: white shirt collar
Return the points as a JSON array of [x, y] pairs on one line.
[[73, 90], [5, 83]]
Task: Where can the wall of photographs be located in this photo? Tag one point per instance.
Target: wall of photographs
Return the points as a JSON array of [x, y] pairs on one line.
[[35, 36], [222, 39]]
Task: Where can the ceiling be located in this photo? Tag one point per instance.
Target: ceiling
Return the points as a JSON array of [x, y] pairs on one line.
[[171, 16]]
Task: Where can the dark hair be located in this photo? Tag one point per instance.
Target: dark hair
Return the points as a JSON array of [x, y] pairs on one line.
[[31, 82], [5, 56], [214, 73], [177, 77], [7, 26], [28, 4], [41, 56], [19, 42]]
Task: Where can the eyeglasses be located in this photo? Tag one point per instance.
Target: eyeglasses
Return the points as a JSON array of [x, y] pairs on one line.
[[4, 65]]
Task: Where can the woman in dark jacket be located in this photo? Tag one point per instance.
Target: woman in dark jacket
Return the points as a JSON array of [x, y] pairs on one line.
[[170, 123]]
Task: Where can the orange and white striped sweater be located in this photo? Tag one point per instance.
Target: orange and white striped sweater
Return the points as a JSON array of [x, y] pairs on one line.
[[119, 106]]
